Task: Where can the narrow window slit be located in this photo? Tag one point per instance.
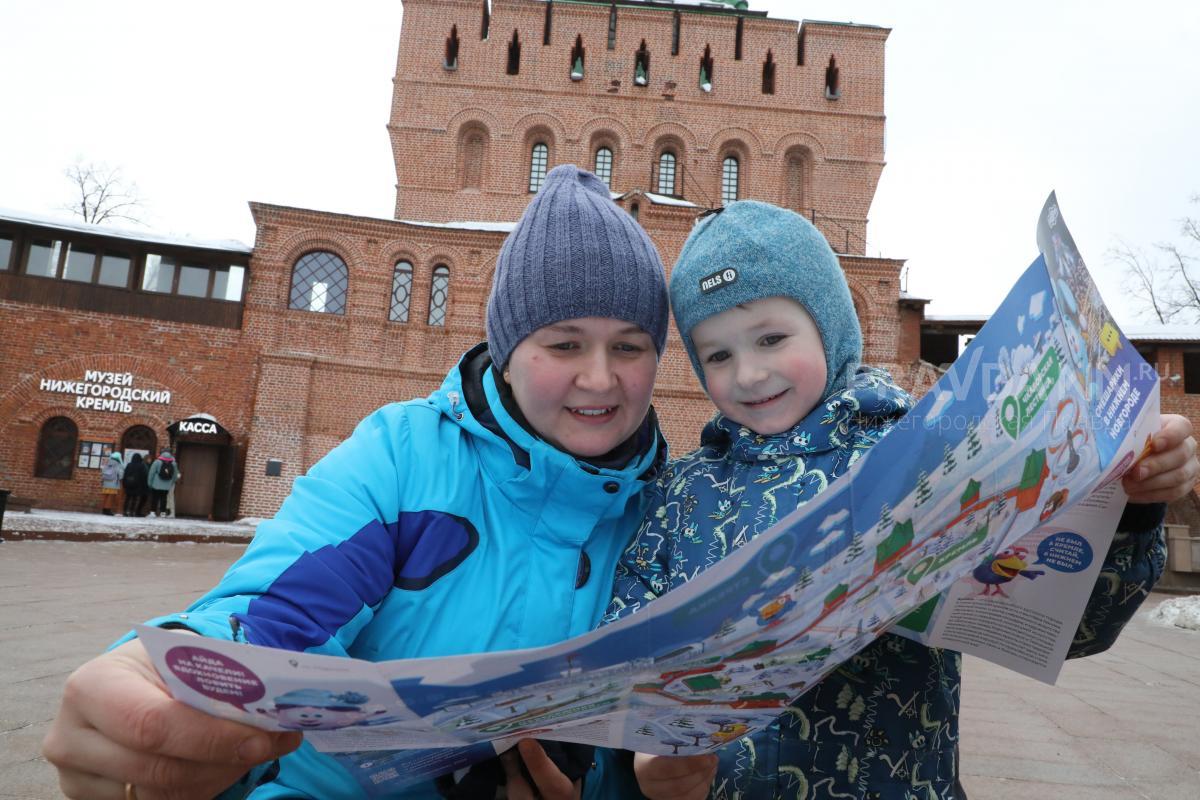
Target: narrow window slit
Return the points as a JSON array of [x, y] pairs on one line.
[[768, 74], [577, 54], [514, 55], [832, 89], [451, 61], [641, 65]]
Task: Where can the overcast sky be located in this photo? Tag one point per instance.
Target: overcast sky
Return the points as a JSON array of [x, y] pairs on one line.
[[990, 106]]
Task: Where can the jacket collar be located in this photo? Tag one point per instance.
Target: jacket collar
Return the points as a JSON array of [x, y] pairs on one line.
[[830, 426]]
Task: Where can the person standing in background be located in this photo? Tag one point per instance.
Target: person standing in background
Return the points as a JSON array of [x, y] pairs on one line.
[[134, 482], [110, 482], [164, 472], [171, 492]]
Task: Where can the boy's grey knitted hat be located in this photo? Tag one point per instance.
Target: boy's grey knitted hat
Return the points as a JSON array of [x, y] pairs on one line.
[[752, 250], [574, 253]]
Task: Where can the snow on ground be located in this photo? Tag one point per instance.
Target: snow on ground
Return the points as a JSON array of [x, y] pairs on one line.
[[46, 520], [1182, 612]]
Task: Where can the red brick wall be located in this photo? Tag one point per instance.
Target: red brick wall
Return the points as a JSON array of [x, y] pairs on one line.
[[322, 373], [1168, 360], [205, 370], [1169, 363], [432, 106]]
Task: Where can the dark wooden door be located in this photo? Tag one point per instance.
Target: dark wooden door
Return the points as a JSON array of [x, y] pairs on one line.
[[198, 479]]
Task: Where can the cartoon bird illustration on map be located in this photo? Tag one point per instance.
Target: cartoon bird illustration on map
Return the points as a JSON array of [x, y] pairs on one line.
[[1003, 567]]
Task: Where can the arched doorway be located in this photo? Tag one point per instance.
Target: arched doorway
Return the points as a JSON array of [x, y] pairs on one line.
[[139, 439]]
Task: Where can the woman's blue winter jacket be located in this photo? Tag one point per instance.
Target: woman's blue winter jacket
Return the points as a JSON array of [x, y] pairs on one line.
[[441, 526]]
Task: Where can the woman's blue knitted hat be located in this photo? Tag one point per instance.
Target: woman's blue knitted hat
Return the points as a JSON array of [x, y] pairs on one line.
[[574, 253], [752, 250]]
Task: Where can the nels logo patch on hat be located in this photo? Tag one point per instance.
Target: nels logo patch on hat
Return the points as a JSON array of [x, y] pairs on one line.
[[723, 277]]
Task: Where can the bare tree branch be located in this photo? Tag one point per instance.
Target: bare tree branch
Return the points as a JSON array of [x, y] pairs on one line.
[[1187, 298], [1166, 288], [1142, 278], [102, 194]]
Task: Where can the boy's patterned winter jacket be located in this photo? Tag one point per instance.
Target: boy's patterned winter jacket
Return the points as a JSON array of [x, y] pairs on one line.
[[884, 724]]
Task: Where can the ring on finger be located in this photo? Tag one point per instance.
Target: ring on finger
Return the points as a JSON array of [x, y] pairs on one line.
[[130, 792]]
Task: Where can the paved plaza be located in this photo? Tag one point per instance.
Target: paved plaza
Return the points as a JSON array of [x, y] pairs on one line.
[[1124, 725]]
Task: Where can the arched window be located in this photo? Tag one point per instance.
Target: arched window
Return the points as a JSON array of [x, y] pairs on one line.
[[320, 281], [139, 437], [604, 164], [795, 181], [474, 154], [402, 279], [666, 173], [56, 448], [538, 158], [729, 180], [439, 295]]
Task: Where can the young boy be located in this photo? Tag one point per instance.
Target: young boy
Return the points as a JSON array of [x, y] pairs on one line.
[[766, 316]]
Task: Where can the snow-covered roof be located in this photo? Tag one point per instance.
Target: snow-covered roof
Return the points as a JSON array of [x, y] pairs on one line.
[[843, 24], [149, 236], [906, 296], [667, 200], [501, 227], [1134, 333], [1163, 333], [711, 3]]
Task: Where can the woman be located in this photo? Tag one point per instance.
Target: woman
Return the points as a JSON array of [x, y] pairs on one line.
[[134, 482], [110, 483], [487, 516]]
